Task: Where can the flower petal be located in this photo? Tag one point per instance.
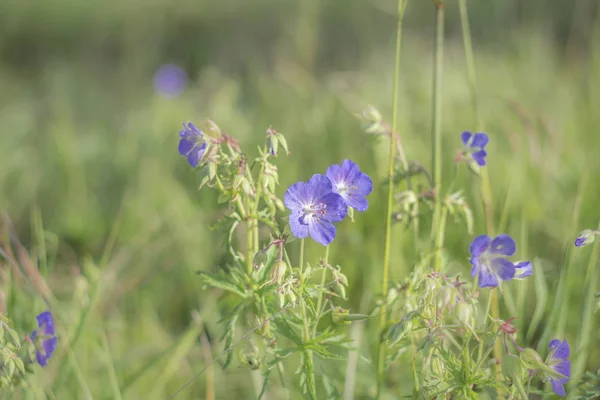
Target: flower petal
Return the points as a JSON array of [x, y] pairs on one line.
[[298, 229], [558, 387], [296, 196], [318, 186], [196, 154], [364, 184], [465, 136], [503, 244], [479, 245], [564, 367], [49, 346], [185, 146], [359, 203], [479, 157], [503, 268], [322, 231], [336, 209], [46, 323], [561, 349], [475, 262], [41, 358], [480, 140], [523, 269], [486, 277]]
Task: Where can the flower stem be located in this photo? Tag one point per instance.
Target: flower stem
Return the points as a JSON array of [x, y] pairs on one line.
[[390, 200], [587, 321], [436, 131], [486, 192], [310, 373], [259, 186], [249, 242], [320, 298]]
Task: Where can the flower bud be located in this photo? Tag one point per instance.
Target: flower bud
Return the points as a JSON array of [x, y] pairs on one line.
[[340, 290], [585, 237], [532, 359], [278, 272], [339, 316], [259, 260], [465, 314]]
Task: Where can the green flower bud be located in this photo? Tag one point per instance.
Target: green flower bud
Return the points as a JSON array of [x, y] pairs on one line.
[[532, 359], [278, 272]]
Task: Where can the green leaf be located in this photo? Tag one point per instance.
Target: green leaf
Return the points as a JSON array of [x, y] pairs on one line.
[[266, 377], [220, 283]]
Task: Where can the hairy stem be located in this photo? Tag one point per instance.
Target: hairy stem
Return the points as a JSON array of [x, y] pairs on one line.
[[306, 334], [390, 200], [320, 298]]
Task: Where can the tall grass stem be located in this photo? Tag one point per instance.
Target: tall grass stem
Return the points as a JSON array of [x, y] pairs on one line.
[[390, 200]]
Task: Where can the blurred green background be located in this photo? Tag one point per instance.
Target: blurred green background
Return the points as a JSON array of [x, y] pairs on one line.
[[92, 185]]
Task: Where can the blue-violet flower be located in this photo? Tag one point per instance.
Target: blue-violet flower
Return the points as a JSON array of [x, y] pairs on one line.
[[489, 260], [350, 183], [170, 80], [44, 338], [314, 208], [192, 144], [475, 145], [558, 361]]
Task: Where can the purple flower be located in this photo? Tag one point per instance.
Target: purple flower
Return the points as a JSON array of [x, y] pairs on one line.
[[170, 80], [192, 144], [558, 361], [489, 259], [585, 237], [44, 338], [314, 208], [475, 145], [523, 269], [351, 184]]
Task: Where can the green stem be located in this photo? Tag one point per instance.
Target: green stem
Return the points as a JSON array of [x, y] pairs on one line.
[[320, 298], [587, 320], [259, 186], [306, 334], [249, 242], [436, 131], [390, 200], [469, 59]]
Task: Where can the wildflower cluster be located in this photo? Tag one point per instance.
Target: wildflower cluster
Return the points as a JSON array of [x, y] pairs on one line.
[[324, 199], [264, 277]]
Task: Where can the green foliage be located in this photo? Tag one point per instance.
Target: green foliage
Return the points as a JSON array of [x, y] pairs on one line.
[[90, 151]]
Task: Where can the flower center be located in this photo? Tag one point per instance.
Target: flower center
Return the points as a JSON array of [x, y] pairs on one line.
[[314, 212]]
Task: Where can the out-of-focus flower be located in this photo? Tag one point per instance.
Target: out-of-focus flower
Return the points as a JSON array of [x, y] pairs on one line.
[[523, 269], [585, 237], [192, 144], [44, 338], [558, 360], [170, 80], [474, 144], [314, 208], [350, 183], [490, 262]]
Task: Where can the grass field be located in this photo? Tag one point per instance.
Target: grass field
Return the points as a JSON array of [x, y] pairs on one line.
[[98, 204]]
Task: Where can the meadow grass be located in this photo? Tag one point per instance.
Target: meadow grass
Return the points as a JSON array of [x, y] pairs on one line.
[[98, 201]]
